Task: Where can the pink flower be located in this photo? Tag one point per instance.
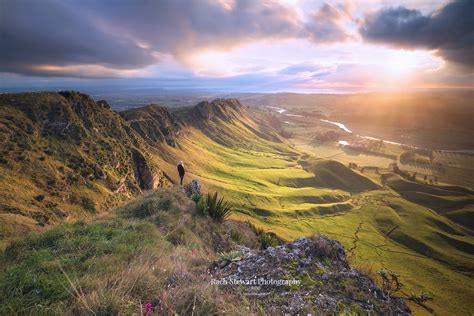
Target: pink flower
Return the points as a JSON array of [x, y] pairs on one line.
[[148, 306]]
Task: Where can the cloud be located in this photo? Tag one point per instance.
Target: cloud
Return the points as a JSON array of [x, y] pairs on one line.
[[129, 34], [53, 32], [450, 30], [53, 37], [308, 70], [326, 25]]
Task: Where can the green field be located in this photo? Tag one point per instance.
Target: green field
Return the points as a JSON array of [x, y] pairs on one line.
[[296, 188]]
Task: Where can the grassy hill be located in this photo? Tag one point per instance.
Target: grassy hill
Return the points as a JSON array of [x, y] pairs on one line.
[[293, 190], [333, 174], [117, 263], [283, 190], [456, 203], [154, 123], [159, 251], [65, 156]]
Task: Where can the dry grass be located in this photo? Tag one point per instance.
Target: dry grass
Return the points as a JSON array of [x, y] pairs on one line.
[[117, 264]]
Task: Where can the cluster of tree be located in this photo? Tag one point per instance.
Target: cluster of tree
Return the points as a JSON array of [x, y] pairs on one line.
[[412, 175], [373, 168], [405, 174], [369, 144], [430, 180], [329, 136], [315, 113]]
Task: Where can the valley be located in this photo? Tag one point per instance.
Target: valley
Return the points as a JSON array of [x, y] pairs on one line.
[[298, 186], [401, 208]]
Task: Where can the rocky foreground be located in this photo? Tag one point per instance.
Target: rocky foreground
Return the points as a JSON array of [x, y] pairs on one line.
[[310, 275]]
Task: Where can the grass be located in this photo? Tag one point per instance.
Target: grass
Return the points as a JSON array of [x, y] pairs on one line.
[[39, 269], [120, 262], [284, 191], [60, 160]]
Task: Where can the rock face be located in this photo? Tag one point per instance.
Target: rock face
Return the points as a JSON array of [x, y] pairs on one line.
[[147, 178], [193, 188], [225, 109], [310, 275], [78, 154], [155, 124]]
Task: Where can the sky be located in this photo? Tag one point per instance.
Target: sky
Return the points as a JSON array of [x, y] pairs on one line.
[[309, 46]]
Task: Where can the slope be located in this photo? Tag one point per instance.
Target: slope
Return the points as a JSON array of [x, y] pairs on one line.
[[333, 174], [456, 203], [232, 149], [293, 194], [65, 156], [157, 254]]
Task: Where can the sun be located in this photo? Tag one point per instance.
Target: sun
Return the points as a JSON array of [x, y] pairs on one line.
[[401, 64]]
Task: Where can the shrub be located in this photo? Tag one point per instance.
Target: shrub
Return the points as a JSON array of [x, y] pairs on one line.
[[39, 198], [233, 255], [235, 236], [390, 281], [147, 207], [420, 298], [196, 197], [267, 240], [88, 204], [49, 151], [215, 207]]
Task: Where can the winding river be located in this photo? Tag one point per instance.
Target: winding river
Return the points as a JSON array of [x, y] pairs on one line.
[[347, 130]]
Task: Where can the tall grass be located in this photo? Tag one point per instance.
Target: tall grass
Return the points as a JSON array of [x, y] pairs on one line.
[[120, 264]]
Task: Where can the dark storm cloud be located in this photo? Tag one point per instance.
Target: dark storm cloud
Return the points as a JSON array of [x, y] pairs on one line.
[[124, 34], [57, 32], [449, 30], [179, 27]]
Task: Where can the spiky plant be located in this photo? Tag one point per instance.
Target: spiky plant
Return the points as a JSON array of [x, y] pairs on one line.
[[217, 208], [233, 255]]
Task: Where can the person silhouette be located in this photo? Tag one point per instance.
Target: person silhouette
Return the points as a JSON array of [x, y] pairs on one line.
[[181, 171]]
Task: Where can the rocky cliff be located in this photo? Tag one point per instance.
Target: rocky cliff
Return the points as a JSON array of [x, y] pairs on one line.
[[65, 155], [303, 277], [155, 124]]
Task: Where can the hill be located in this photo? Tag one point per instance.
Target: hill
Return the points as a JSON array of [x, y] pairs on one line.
[[228, 122], [454, 202], [157, 253], [154, 123], [333, 174], [285, 190], [65, 156]]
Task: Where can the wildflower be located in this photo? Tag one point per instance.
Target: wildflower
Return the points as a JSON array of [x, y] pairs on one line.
[[149, 308]]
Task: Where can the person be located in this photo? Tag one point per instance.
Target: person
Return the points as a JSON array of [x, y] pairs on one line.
[[181, 171]]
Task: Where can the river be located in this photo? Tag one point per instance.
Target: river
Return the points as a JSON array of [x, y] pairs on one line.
[[346, 129]]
